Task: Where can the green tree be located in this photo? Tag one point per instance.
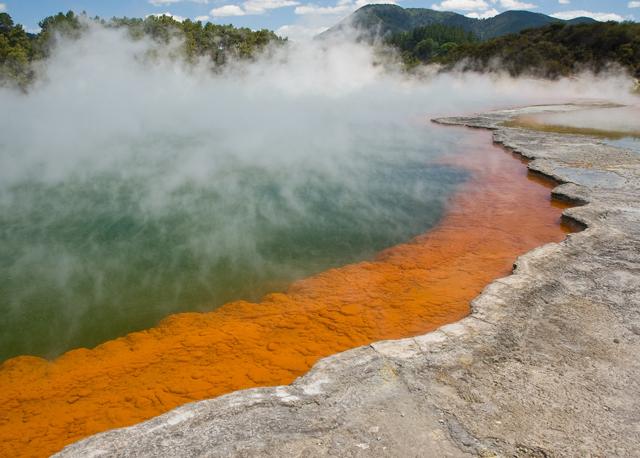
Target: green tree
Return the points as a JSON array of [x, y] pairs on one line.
[[218, 43], [16, 52], [554, 51], [423, 44]]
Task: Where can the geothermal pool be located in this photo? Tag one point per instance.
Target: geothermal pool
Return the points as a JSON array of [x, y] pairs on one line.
[[97, 252], [169, 235], [472, 206]]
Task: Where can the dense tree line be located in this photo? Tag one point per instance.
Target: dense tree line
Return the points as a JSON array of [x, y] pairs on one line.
[[424, 44], [219, 42], [16, 51], [553, 51], [19, 49]]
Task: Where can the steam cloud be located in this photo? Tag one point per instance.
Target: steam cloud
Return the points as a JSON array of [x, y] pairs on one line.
[[126, 180]]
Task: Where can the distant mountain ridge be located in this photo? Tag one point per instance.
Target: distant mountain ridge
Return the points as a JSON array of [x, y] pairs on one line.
[[381, 20]]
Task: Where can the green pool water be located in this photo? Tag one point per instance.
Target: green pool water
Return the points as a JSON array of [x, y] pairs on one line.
[[96, 252]]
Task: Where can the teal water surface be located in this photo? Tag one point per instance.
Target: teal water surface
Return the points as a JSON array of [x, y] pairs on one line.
[[95, 252]]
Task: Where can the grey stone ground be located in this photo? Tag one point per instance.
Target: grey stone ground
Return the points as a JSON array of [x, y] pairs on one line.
[[547, 364]]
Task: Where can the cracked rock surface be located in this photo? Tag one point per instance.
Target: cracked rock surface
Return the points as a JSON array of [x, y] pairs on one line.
[[546, 364]]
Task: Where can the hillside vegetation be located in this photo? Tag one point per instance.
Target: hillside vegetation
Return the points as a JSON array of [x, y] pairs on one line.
[[424, 44], [551, 52], [381, 21], [19, 49]]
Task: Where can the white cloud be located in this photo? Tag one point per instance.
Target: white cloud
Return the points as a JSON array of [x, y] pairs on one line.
[[251, 7], [227, 10], [261, 6], [581, 13], [564, 2], [462, 5], [342, 6], [170, 2], [173, 16], [201, 18], [315, 9], [484, 14], [634, 4], [3, 7], [517, 5], [299, 32]]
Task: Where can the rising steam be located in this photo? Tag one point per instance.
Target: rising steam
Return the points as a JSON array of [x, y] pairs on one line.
[[132, 187]]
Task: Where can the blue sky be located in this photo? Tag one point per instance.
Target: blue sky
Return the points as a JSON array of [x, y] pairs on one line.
[[301, 18]]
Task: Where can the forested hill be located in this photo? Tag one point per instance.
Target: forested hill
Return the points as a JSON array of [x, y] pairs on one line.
[[551, 52], [372, 21], [18, 49]]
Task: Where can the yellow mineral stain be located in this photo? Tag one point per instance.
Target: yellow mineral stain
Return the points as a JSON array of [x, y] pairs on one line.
[[407, 290]]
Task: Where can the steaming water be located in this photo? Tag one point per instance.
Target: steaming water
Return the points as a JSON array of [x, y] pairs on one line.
[[133, 188], [95, 255]]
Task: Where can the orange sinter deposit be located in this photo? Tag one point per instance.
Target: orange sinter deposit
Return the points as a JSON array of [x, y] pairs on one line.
[[407, 290]]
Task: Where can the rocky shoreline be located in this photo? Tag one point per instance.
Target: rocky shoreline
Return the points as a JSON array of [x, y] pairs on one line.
[[546, 364]]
